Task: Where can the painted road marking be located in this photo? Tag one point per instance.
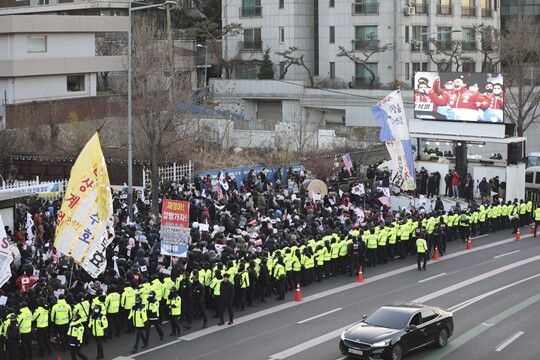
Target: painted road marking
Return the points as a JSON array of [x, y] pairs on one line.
[[510, 253], [318, 316], [489, 293], [309, 344], [479, 329], [431, 278], [509, 340]]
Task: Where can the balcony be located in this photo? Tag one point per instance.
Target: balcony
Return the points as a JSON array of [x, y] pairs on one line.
[[365, 44], [445, 10], [252, 11], [359, 82], [420, 8], [365, 9], [487, 13], [468, 46], [253, 46], [467, 11]]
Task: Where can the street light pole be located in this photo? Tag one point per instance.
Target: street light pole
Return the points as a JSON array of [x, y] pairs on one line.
[[129, 115], [422, 43], [205, 82]]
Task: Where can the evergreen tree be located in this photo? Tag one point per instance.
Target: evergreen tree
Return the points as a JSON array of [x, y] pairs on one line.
[[266, 71]]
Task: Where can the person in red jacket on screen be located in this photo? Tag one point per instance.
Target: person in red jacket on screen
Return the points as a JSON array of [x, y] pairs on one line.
[[496, 102], [464, 103]]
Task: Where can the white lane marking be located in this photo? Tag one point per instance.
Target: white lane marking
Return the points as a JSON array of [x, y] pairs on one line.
[[471, 301], [318, 316], [342, 358], [156, 348], [486, 324], [509, 341], [476, 279], [479, 236], [510, 253], [310, 344], [430, 278], [122, 358]]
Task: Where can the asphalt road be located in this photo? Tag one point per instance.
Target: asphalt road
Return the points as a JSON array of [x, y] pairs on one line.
[[492, 289]]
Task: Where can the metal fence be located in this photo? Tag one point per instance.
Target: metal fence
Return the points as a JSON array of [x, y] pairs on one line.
[[173, 172]]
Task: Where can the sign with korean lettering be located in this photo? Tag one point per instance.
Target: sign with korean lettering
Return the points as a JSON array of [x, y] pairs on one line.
[[86, 211], [45, 189], [174, 232]]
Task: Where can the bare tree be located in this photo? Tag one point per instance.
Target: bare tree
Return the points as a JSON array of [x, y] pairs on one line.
[[367, 52], [290, 60], [161, 126], [520, 56], [489, 46], [215, 34], [447, 54], [109, 44]]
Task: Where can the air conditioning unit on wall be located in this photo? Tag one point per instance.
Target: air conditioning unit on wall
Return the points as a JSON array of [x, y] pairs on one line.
[[409, 10]]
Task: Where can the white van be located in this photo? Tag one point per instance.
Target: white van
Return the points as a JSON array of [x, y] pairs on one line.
[[532, 177], [532, 159]]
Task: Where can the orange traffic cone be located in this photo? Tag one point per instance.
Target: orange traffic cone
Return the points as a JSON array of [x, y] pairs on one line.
[[59, 357], [469, 243], [436, 254], [360, 276], [518, 235], [298, 293], [533, 228]]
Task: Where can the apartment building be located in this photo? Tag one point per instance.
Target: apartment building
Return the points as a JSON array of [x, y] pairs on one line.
[[320, 28]]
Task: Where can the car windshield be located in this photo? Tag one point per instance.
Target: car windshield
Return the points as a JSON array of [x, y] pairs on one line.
[[388, 318]]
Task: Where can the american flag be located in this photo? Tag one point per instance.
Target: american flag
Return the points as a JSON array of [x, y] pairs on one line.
[[347, 161]]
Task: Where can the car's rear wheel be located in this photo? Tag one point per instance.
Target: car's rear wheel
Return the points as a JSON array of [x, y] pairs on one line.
[[396, 352], [442, 337]]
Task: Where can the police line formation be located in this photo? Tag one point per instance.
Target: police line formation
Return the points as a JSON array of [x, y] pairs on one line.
[[140, 289]]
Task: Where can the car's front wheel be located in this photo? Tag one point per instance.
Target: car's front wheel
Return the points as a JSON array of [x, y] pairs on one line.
[[442, 337], [396, 352]]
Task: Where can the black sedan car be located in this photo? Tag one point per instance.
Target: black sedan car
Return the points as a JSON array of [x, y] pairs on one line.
[[392, 331]]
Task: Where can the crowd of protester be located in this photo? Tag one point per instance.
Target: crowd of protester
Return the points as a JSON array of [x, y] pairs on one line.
[[261, 242]]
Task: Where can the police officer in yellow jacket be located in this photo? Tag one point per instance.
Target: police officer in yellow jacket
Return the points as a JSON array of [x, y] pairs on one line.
[[60, 316], [112, 304], [24, 319], [422, 253], [174, 303], [75, 335], [98, 324], [152, 311], [139, 318], [41, 320]]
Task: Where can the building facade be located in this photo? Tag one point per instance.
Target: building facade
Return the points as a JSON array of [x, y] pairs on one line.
[[321, 29]]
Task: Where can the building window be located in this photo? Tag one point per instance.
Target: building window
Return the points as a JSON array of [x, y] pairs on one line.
[[416, 67], [251, 8], [468, 42], [363, 7], [407, 71], [43, 2], [468, 8], [332, 70], [363, 76], [469, 67], [332, 3], [366, 38], [444, 37], [444, 7], [36, 43], [332, 34], [417, 36], [281, 4], [252, 39], [75, 82], [282, 35]]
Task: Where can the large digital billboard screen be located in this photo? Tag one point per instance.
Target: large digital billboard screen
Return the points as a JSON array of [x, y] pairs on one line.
[[471, 97]]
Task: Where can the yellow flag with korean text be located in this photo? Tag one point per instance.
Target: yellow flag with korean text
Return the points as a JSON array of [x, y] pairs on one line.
[[83, 220]]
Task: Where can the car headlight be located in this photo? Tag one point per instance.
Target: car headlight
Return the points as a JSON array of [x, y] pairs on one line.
[[343, 335], [383, 343]]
